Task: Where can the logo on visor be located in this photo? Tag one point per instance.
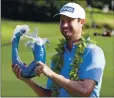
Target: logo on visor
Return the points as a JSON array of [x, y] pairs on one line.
[[67, 8]]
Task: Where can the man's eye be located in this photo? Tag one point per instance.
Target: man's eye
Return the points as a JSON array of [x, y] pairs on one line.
[[62, 22], [69, 21]]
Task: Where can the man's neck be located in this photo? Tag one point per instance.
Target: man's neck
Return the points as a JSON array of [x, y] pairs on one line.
[[71, 42]]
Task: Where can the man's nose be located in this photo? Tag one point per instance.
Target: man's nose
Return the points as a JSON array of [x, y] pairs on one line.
[[65, 24]]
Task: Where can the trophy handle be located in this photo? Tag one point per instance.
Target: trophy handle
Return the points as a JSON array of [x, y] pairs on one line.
[[18, 32], [15, 56]]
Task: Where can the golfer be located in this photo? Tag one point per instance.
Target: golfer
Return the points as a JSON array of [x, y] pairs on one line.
[[77, 67]]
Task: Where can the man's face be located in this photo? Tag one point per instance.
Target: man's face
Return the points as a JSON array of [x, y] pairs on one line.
[[70, 27]]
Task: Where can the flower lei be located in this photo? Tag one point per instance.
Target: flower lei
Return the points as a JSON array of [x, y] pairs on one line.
[[58, 62]]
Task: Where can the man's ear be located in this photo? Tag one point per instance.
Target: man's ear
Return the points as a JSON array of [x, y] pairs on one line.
[[82, 21]]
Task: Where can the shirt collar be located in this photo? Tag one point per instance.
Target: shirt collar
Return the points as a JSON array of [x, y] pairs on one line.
[[74, 45]]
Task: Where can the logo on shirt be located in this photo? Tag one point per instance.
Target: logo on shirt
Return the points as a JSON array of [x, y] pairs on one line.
[[67, 8]]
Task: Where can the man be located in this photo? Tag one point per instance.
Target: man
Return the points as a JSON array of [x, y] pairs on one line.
[[90, 69]]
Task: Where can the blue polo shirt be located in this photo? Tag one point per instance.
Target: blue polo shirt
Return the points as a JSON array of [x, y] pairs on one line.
[[91, 68]]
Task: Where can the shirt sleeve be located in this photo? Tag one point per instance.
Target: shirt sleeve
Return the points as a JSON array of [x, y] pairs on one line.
[[93, 64]]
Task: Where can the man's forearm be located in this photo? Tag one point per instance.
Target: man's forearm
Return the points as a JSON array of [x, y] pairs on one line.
[[74, 87], [40, 91]]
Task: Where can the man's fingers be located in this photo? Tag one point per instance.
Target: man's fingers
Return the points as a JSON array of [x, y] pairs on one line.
[[15, 67], [40, 63], [20, 70], [39, 72], [17, 71], [38, 68]]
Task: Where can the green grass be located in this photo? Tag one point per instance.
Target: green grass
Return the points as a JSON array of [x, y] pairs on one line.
[[11, 86], [100, 18]]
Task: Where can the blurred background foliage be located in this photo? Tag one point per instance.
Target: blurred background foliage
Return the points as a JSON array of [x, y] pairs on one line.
[[42, 10]]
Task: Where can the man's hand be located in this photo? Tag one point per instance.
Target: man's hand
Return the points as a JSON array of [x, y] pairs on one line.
[[17, 71], [43, 68]]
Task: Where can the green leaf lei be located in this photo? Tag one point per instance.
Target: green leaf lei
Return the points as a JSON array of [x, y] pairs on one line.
[[58, 62]]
